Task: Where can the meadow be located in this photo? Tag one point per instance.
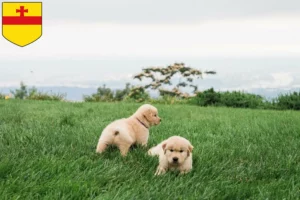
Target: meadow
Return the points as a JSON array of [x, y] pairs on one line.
[[48, 152]]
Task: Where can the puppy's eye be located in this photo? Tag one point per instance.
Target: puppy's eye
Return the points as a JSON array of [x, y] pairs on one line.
[[181, 151], [155, 115], [171, 150]]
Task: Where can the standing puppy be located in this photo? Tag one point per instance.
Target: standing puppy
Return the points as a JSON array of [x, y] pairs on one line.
[[174, 153], [133, 130]]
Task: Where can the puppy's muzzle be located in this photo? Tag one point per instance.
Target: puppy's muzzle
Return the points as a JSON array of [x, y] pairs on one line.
[[175, 160]]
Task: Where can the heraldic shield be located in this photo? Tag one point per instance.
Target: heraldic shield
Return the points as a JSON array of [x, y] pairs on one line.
[[22, 22]]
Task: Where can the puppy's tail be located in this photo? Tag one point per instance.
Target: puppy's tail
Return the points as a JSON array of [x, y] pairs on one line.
[[108, 137], [116, 132], [110, 134]]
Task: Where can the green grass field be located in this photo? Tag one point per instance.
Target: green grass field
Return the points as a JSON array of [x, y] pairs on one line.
[[48, 152]]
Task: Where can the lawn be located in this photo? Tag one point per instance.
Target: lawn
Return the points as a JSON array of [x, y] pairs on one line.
[[48, 152]]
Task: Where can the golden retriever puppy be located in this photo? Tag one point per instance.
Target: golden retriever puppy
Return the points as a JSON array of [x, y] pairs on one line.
[[175, 153], [128, 131]]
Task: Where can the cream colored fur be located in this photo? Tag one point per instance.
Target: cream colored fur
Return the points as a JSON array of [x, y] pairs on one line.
[[128, 131], [169, 150]]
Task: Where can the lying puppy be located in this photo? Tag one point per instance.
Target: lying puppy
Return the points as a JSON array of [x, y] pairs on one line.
[[174, 153], [128, 131]]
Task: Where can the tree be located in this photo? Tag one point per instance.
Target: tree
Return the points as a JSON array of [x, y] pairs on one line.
[[32, 92], [20, 93], [106, 94], [121, 94], [138, 94], [161, 76], [103, 94], [2, 96]]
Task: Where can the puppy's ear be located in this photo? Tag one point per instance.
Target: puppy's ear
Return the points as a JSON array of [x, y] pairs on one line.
[[164, 147], [147, 114], [190, 149]]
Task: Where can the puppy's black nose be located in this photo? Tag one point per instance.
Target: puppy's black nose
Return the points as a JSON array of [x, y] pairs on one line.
[[175, 159]]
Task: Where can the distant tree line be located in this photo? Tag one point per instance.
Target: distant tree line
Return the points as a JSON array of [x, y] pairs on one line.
[[160, 77], [210, 97], [32, 94], [238, 99]]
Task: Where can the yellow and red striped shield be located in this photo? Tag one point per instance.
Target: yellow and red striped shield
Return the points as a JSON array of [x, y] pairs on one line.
[[22, 22]]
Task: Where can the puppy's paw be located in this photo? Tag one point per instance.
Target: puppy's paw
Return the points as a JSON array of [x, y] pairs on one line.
[[153, 152], [182, 172], [144, 145], [160, 171], [150, 152]]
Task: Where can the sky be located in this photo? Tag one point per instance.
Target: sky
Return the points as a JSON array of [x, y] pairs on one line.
[[251, 44]]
